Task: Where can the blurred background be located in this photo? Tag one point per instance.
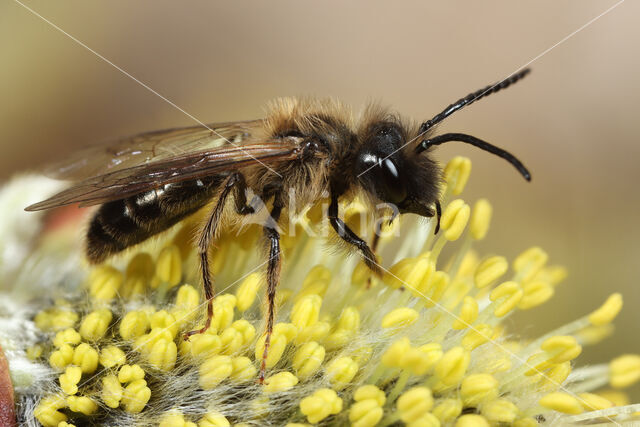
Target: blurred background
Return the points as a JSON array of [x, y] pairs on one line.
[[573, 121]]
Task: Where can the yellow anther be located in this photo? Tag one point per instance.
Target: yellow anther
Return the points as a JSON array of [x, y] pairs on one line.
[[279, 382], [215, 370], [562, 402], [308, 359], [500, 411], [468, 313], [394, 356], [535, 293], [561, 348], [145, 343], [592, 335], [617, 397], [422, 359], [346, 327], [174, 418], [341, 372], [68, 336], [95, 324], [223, 308], [55, 319], [399, 318], [361, 274], [317, 273], [419, 277], [214, 419], [526, 422], [130, 373], [111, 391], [452, 366], [135, 396], [624, 370], [232, 341], [490, 270], [288, 330], [134, 324], [349, 319], [529, 263], [242, 369], [34, 352], [247, 291], [86, 357], [338, 339], [70, 379], [246, 330], [454, 219], [437, 286], [111, 356], [448, 410], [81, 404], [456, 174], [593, 402], [169, 266], [477, 336], [104, 283], [370, 392], [414, 403], [472, 420], [163, 355], [140, 265], [395, 277], [276, 348], [317, 287], [506, 296], [62, 357], [469, 263], [306, 311], [480, 219], [163, 320], [366, 413], [317, 332], [608, 311], [205, 345], [187, 297], [47, 411], [478, 388], [133, 286], [555, 376], [320, 405]]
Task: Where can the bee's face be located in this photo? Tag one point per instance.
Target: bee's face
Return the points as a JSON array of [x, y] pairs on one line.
[[395, 174]]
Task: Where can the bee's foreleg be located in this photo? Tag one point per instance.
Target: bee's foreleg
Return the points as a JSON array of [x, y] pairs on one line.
[[236, 183], [352, 238], [273, 277]]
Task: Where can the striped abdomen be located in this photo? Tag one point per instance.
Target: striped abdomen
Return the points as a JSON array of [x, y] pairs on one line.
[[122, 223]]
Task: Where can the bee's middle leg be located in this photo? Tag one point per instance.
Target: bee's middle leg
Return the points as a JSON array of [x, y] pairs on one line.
[[236, 183]]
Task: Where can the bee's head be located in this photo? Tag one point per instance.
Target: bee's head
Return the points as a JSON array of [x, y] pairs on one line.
[[392, 173]]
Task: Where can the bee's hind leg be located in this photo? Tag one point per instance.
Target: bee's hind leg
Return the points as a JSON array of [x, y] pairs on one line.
[[236, 183], [273, 277]]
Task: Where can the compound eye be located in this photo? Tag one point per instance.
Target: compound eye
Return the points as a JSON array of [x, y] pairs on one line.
[[389, 181]]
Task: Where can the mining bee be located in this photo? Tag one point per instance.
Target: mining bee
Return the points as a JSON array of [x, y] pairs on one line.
[[147, 183]]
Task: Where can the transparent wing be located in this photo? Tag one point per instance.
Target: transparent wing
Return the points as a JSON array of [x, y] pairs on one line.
[[154, 146], [127, 182]]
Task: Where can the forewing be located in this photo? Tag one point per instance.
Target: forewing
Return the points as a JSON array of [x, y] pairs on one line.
[[155, 146], [128, 182]]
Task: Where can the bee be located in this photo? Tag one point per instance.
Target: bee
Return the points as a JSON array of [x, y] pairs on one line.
[[147, 183]]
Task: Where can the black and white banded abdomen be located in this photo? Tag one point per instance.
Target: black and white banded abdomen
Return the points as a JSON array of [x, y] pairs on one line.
[[120, 224]]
